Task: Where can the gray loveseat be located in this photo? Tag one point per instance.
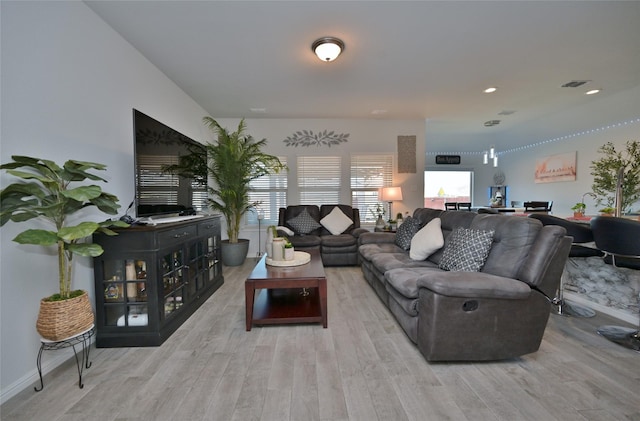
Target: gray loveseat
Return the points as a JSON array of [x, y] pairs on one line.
[[498, 312], [337, 249]]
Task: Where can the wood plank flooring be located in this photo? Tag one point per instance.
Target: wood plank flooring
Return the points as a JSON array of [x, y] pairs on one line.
[[362, 367]]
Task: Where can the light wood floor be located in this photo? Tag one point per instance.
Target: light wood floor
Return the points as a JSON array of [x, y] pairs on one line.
[[362, 367]]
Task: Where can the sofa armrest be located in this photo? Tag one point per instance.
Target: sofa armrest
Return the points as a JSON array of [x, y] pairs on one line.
[[376, 237], [474, 285]]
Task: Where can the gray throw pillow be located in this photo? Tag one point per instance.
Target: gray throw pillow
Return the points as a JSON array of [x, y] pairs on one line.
[[406, 231], [467, 250], [303, 223]]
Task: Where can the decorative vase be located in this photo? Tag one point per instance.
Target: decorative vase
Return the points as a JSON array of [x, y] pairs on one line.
[[380, 223], [268, 243], [289, 253], [277, 247], [58, 320]]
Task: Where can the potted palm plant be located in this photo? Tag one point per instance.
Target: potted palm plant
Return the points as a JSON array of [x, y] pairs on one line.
[[234, 160], [50, 192]]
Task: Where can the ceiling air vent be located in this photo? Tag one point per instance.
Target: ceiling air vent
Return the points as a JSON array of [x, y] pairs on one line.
[[575, 83], [491, 123]]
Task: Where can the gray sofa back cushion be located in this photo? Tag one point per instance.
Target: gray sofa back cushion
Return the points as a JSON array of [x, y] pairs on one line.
[[512, 241]]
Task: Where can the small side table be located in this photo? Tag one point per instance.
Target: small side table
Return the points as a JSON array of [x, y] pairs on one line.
[[83, 338]]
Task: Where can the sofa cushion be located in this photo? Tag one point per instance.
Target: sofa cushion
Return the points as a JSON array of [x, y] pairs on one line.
[[341, 240], [303, 223], [426, 241], [467, 250], [406, 231], [336, 222]]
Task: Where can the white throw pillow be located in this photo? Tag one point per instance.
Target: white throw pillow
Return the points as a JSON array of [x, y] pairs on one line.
[[336, 222], [427, 241]]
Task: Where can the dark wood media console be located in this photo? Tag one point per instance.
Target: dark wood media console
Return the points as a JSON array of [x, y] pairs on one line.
[[151, 279]]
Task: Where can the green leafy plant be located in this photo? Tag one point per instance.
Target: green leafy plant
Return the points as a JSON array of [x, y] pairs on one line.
[[235, 159], [579, 207], [605, 174], [50, 192], [607, 210]]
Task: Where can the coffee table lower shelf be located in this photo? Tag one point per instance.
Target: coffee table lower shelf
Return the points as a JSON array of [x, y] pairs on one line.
[[286, 306]]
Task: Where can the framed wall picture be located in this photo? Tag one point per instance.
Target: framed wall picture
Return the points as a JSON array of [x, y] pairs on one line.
[[556, 168]]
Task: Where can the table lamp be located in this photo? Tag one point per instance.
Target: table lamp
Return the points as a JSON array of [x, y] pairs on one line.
[[390, 194]]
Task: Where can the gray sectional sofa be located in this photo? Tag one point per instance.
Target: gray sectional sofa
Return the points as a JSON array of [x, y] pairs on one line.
[[497, 312]]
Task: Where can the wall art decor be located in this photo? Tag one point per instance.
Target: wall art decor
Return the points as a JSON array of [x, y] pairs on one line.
[[555, 168], [407, 154], [306, 138]]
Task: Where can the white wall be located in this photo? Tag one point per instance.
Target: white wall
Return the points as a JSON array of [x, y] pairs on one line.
[[69, 83]]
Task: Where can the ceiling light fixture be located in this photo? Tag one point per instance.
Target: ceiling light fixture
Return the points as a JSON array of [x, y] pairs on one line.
[[591, 92], [327, 48], [490, 155], [490, 90]]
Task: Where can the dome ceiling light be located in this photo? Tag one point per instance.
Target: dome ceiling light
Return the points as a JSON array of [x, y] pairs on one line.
[[327, 48]]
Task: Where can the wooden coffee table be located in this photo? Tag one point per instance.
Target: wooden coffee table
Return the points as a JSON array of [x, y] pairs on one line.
[[281, 299]]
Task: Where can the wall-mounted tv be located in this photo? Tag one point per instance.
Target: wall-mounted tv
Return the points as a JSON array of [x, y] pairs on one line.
[[159, 191]]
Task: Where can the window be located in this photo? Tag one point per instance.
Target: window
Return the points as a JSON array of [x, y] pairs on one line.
[[319, 179], [271, 191], [447, 186], [368, 174]]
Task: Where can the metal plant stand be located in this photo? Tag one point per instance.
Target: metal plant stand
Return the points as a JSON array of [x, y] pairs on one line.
[[83, 339]]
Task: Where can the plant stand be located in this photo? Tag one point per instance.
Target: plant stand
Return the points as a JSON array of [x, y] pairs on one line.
[[83, 339]]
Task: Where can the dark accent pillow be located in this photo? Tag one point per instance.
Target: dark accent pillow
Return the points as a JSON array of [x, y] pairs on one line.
[[467, 250], [303, 223], [406, 231]]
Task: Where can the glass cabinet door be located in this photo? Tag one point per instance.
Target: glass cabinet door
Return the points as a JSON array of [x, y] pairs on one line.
[[174, 273], [125, 292], [213, 258]]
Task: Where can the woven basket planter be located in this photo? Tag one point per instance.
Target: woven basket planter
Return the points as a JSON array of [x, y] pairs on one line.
[[58, 320]]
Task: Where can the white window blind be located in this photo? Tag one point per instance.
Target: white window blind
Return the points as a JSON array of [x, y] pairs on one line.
[[271, 191], [319, 179], [368, 174]]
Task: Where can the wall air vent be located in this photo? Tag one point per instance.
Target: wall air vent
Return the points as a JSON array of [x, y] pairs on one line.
[[491, 123], [575, 83]]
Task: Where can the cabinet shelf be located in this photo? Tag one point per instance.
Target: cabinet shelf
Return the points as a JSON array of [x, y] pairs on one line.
[[149, 280]]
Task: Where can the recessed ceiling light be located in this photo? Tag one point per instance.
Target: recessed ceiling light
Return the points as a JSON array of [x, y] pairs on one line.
[[490, 90], [593, 91], [377, 112]]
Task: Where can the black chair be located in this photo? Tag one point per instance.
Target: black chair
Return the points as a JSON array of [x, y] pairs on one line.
[[581, 234], [619, 239], [538, 206], [450, 206], [464, 206]]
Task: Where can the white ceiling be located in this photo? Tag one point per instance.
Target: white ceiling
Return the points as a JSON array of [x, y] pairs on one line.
[[415, 59]]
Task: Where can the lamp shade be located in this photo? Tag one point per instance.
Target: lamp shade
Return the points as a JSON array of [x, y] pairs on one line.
[[390, 194], [327, 48]]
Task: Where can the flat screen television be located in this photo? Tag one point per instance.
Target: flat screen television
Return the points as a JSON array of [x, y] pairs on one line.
[[159, 191]]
